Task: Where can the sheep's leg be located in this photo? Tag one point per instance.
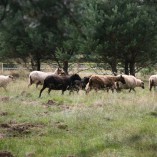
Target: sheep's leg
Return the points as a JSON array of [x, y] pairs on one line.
[[132, 89], [29, 85], [152, 85], [96, 89], [41, 91], [150, 88], [88, 90], [107, 89], [30, 82], [63, 90], [77, 88], [38, 83], [112, 89], [49, 90], [71, 91]]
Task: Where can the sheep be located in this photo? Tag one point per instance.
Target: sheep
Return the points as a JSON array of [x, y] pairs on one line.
[[131, 83], [80, 84], [57, 82], [152, 81], [38, 77], [4, 80], [103, 81]]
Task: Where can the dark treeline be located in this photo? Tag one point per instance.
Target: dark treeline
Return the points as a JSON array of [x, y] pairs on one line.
[[115, 33]]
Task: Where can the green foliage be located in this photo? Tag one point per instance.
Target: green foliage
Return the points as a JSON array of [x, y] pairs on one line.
[[125, 30], [103, 31]]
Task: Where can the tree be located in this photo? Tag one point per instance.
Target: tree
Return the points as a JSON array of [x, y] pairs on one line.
[[125, 34], [42, 30]]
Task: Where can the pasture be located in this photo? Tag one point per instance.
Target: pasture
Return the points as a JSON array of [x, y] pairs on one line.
[[78, 125]]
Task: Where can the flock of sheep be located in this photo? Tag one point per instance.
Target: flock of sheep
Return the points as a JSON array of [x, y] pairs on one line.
[[59, 81]]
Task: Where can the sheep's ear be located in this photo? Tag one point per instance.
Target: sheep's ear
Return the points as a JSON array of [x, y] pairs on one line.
[[114, 73], [121, 76]]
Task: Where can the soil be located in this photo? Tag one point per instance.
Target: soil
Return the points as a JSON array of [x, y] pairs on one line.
[[5, 154], [15, 129]]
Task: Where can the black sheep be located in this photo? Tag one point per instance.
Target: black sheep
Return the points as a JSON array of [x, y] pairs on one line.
[[59, 82], [79, 84]]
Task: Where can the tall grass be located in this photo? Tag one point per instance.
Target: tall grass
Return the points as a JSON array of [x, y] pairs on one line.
[[80, 125]]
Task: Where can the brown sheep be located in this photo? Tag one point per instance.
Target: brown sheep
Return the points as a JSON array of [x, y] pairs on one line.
[[103, 81]]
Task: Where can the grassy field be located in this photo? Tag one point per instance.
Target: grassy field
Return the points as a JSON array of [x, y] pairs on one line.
[[96, 125]]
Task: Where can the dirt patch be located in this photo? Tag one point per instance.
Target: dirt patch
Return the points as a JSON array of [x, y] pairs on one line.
[[61, 125], [30, 102], [50, 103], [3, 113], [4, 99], [5, 154], [30, 154], [2, 136], [14, 129], [153, 114], [25, 94]]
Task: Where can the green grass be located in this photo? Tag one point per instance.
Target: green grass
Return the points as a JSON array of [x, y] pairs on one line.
[[95, 125]]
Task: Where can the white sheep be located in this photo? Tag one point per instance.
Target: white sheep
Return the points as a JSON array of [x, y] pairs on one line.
[[131, 83], [4, 81], [38, 77], [152, 81]]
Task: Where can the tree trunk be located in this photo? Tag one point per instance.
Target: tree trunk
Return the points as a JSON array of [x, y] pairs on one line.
[[32, 64], [65, 66], [132, 68], [126, 67], [38, 64], [114, 67]]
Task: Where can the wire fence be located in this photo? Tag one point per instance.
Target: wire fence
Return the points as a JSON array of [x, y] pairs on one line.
[[46, 67]]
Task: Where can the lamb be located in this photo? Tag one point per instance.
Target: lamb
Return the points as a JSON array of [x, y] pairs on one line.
[[4, 80], [38, 77], [131, 83], [152, 81]]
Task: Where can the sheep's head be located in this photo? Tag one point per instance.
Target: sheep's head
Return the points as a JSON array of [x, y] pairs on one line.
[[60, 71], [10, 76], [75, 77], [121, 79]]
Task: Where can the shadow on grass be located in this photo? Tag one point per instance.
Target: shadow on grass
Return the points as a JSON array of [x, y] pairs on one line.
[[154, 114], [140, 144], [92, 151], [86, 152]]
